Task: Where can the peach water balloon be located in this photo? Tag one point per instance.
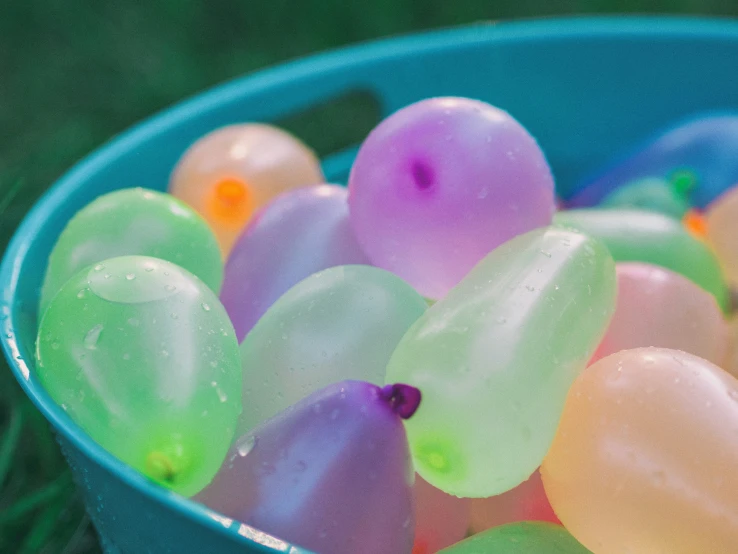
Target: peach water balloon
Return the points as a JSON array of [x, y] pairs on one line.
[[341, 323], [721, 219], [657, 307], [233, 171], [142, 356], [494, 359], [134, 221], [644, 236], [297, 234], [526, 502], [520, 538], [440, 183], [645, 455], [440, 519], [332, 473], [730, 364]]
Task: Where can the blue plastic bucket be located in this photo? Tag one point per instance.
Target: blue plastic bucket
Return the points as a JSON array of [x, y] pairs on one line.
[[586, 88]]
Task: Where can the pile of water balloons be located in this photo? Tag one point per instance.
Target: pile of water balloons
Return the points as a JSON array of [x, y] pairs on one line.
[[433, 352]]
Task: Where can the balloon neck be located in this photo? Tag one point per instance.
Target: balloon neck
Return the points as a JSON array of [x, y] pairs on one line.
[[402, 399], [162, 467], [683, 182]]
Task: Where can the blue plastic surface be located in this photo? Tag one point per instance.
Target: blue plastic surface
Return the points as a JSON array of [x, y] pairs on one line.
[[586, 88]]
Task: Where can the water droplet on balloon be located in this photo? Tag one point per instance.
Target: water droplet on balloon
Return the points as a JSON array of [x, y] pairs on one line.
[[93, 336], [205, 307], [245, 445], [130, 277]]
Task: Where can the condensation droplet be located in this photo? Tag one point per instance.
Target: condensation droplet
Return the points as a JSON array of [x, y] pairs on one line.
[[245, 445], [93, 336]]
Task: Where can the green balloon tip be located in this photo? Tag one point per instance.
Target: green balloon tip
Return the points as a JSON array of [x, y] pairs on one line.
[[161, 467], [683, 182]]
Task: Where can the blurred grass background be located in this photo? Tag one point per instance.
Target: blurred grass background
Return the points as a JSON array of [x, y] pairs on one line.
[[73, 74]]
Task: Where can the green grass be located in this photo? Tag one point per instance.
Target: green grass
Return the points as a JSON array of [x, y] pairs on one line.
[[73, 74]]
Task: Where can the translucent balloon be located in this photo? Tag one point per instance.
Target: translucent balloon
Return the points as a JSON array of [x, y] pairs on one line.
[[494, 359], [730, 364], [141, 355], [694, 221], [645, 455], [657, 195], [642, 236], [526, 502], [134, 222], [231, 172], [331, 473], [721, 221], [440, 519], [520, 538], [298, 234], [341, 323], [440, 183], [700, 150], [657, 307]]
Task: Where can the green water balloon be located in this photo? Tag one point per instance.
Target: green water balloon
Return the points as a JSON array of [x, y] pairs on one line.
[[134, 221], [652, 194], [340, 323], [528, 537], [142, 356], [644, 236], [495, 358]]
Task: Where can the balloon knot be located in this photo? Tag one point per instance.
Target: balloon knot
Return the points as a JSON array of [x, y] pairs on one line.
[[403, 399]]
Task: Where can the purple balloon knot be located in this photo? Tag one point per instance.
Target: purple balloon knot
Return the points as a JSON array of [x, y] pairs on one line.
[[403, 399]]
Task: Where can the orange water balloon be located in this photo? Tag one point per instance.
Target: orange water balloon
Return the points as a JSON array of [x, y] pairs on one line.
[[645, 456], [695, 223], [231, 172]]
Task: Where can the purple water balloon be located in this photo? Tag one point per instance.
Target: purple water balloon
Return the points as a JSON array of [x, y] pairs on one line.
[[440, 183], [297, 234], [332, 473]]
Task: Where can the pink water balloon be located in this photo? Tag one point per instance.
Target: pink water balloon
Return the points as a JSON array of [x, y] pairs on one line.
[[440, 519], [439, 184], [526, 502], [658, 307]]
